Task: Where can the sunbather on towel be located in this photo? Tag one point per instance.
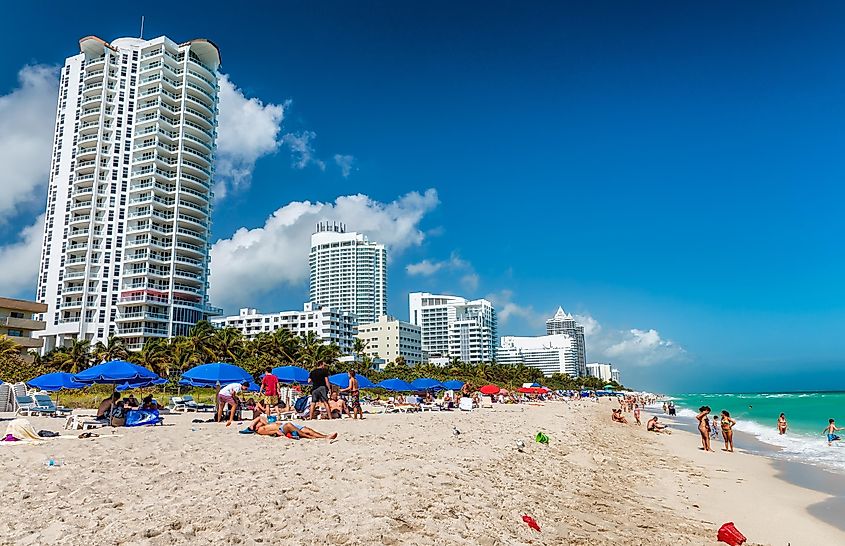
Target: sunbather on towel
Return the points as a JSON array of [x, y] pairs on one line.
[[260, 426]]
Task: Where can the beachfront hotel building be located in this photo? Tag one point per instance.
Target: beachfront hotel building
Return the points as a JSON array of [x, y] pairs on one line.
[[329, 324], [616, 376], [555, 353], [564, 323], [348, 272], [126, 241], [19, 322], [454, 327], [389, 338], [600, 370]]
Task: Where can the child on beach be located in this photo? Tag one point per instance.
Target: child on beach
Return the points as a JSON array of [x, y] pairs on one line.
[[704, 427], [727, 431], [831, 432], [714, 429]]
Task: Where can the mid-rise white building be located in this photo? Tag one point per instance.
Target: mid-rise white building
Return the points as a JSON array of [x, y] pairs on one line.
[[389, 338], [330, 325], [616, 376], [601, 370], [563, 323], [454, 327], [556, 353], [348, 272], [125, 248]]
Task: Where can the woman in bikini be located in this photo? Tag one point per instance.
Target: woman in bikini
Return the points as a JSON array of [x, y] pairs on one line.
[[727, 431], [704, 427], [259, 425], [782, 424]]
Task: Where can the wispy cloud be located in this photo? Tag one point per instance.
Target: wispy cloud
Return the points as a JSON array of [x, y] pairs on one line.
[[248, 130], [427, 267], [20, 274], [302, 149], [507, 311], [345, 163], [27, 115]]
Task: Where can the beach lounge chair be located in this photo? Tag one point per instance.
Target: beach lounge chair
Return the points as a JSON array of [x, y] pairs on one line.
[[46, 404], [465, 404], [177, 405], [192, 405], [487, 402], [83, 422], [5, 398], [26, 405]]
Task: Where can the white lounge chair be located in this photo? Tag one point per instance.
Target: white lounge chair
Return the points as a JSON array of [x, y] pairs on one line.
[[465, 404], [192, 405], [487, 402], [177, 405], [83, 422]]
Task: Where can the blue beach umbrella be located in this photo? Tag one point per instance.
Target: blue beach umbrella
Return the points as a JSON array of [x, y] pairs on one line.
[[426, 384], [342, 381], [395, 384], [137, 384], [453, 385], [291, 374], [214, 374], [56, 381], [116, 372]]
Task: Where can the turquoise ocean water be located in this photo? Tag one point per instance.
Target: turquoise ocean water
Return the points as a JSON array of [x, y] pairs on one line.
[[757, 413]]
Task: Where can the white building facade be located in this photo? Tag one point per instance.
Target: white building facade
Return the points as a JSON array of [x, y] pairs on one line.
[[389, 338], [330, 325], [125, 248], [454, 327], [616, 376], [563, 323], [600, 370], [348, 272], [556, 353]]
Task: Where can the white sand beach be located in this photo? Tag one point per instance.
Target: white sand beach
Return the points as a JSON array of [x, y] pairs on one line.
[[399, 479]]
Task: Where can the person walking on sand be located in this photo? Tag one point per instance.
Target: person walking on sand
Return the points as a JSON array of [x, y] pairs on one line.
[[727, 431], [319, 379], [354, 396], [782, 426], [637, 414], [831, 432], [704, 427]]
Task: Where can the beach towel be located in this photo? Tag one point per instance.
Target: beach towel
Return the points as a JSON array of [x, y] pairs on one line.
[[141, 418], [21, 429]]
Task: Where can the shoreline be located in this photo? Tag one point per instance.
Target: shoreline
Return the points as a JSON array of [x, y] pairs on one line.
[[400, 479], [801, 474]]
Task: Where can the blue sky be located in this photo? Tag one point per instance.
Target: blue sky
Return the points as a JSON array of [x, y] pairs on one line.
[[670, 172]]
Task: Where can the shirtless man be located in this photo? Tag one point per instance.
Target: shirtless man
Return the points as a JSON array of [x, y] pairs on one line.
[[104, 411], [338, 406], [617, 417], [653, 426], [354, 396]]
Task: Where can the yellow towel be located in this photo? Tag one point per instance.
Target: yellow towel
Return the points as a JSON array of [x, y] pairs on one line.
[[22, 430]]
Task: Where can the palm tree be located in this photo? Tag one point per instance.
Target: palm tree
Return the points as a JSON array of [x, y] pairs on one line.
[[201, 339], [113, 349], [359, 346], [227, 345], [153, 356], [309, 352], [9, 350], [75, 358], [182, 355], [288, 345]]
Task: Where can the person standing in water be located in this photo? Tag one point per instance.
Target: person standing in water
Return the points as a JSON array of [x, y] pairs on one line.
[[704, 427], [782, 424], [727, 430], [831, 432]]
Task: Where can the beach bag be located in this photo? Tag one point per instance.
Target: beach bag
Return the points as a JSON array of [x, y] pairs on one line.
[[300, 404], [140, 418]]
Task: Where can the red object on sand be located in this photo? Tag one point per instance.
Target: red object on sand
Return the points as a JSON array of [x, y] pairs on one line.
[[531, 522], [489, 389], [730, 535]]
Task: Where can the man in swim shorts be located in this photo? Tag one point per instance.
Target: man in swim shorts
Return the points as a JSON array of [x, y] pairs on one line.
[[259, 425]]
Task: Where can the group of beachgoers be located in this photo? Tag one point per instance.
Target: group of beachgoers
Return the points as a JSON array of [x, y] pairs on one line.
[[722, 423], [634, 404], [112, 410]]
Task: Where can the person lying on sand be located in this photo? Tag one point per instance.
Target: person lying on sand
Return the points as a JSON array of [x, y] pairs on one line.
[[653, 426], [617, 417], [259, 425]]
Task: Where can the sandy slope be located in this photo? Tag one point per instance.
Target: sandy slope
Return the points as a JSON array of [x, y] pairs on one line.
[[391, 479]]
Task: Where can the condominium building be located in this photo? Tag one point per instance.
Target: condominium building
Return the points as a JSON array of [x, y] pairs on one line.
[[329, 324], [348, 272], [616, 376], [600, 370], [454, 327], [126, 241], [563, 323], [18, 321], [555, 353], [389, 338]]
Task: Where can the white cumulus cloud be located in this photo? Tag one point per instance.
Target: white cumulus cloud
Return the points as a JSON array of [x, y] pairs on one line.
[[630, 346], [252, 262], [21, 258], [345, 163], [427, 267], [248, 129], [27, 117], [302, 149], [507, 309]]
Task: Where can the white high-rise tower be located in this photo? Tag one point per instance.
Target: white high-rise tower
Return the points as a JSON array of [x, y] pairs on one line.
[[125, 248], [565, 323], [348, 272]]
